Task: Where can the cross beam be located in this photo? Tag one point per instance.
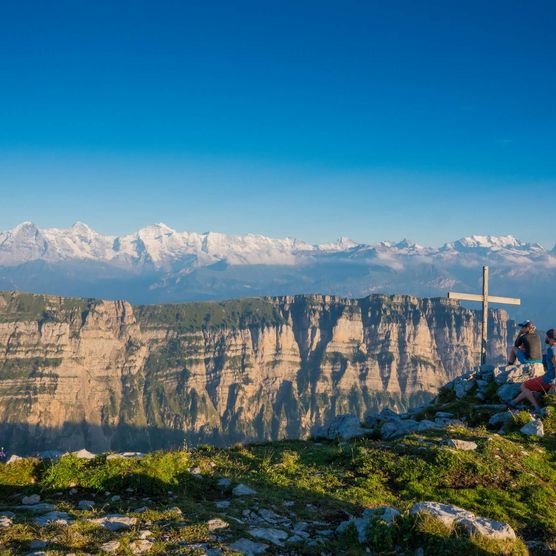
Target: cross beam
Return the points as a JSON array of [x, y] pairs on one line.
[[485, 299]]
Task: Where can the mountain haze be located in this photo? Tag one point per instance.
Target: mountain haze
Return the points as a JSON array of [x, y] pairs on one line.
[[158, 264]]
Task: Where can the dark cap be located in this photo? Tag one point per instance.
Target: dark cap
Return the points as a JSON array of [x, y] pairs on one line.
[[525, 323], [551, 334]]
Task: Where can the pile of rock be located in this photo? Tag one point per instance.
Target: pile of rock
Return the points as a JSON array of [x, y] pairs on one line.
[[388, 424], [508, 380], [503, 382]]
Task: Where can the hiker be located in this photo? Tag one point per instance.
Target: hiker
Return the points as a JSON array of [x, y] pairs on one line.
[[3, 455], [527, 348], [543, 384]]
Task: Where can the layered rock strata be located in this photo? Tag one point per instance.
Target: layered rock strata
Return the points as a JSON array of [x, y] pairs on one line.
[[101, 375]]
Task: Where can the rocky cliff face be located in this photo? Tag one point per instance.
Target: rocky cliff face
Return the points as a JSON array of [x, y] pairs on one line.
[[105, 375]]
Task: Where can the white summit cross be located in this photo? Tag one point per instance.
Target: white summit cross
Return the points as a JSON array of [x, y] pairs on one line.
[[485, 299]]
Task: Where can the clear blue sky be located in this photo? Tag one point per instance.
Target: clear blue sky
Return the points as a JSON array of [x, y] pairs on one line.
[[428, 120]]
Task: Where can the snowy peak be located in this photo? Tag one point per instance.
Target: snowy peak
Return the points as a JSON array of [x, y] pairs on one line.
[[493, 243], [160, 247], [22, 243], [341, 244]]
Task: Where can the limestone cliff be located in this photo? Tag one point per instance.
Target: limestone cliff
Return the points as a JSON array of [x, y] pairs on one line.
[[105, 375]]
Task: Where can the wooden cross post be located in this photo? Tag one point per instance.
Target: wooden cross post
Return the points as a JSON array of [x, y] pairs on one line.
[[485, 299]]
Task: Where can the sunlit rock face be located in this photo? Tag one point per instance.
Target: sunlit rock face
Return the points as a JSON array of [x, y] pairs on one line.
[[78, 373]]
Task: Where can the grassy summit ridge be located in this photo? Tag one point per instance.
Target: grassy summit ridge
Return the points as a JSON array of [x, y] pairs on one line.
[[510, 477]]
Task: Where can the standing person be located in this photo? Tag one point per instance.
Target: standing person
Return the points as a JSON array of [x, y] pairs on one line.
[[544, 384], [527, 347], [2, 455]]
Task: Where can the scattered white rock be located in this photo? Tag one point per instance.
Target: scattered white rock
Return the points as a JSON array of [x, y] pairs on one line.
[[145, 534], [446, 513], [500, 418], [115, 522], [444, 414], [59, 518], [37, 508], [466, 445], [444, 422], [275, 536], [517, 373], [270, 516], [396, 428], [32, 499], [450, 515], [534, 428], [217, 523], [85, 505], [463, 386], [140, 546], [507, 392], [84, 454], [37, 544], [110, 546], [13, 458], [243, 490], [247, 547], [222, 504], [488, 528], [361, 524], [125, 455], [224, 482], [72, 491], [115, 498], [132, 454], [344, 427]]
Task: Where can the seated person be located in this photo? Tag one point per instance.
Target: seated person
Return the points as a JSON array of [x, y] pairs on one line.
[[527, 347], [542, 384]]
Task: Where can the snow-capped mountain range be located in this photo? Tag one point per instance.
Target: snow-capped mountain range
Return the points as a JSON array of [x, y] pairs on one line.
[[158, 264]]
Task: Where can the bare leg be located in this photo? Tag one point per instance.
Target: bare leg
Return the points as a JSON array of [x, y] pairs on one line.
[[528, 395], [511, 359]]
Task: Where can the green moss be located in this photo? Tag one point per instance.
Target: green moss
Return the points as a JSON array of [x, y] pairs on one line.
[[191, 317], [19, 306], [153, 474], [19, 367]]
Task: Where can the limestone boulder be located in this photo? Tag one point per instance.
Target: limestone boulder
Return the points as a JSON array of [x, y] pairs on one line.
[[451, 515], [533, 428], [344, 427]]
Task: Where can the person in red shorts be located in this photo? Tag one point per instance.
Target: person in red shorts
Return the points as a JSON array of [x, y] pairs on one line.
[[543, 384]]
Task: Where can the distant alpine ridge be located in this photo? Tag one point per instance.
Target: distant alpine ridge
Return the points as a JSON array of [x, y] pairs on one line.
[[158, 264]]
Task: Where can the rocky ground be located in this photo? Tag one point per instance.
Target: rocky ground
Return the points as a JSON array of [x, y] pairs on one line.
[[462, 475]]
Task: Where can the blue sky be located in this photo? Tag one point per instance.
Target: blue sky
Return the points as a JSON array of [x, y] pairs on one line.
[[376, 120]]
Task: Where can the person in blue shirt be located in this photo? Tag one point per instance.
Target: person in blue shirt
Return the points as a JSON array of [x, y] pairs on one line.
[[545, 384]]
